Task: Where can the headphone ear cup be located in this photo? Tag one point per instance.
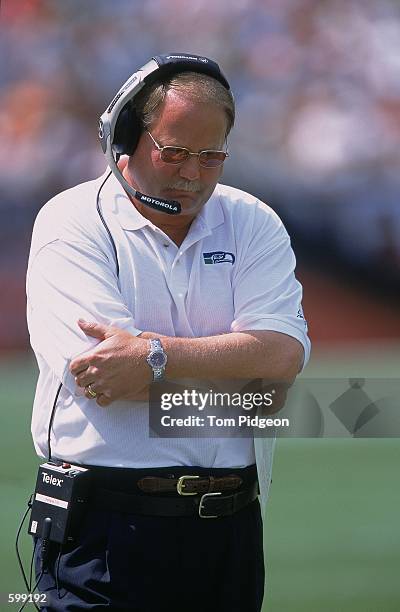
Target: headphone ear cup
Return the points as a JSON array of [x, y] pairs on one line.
[[127, 131]]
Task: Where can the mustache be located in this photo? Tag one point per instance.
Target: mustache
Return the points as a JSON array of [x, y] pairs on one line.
[[183, 185]]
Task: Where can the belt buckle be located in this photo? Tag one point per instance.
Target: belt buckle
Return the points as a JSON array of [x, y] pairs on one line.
[[180, 485], [201, 506]]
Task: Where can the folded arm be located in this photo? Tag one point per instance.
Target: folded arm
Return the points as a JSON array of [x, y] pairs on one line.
[[116, 368]]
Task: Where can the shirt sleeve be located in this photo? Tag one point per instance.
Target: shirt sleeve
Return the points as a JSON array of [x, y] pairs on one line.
[[67, 281], [267, 295]]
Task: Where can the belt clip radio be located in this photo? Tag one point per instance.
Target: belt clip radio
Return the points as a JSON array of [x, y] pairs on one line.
[[61, 494]]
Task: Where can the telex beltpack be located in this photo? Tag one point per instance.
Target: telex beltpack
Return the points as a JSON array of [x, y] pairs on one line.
[[61, 494]]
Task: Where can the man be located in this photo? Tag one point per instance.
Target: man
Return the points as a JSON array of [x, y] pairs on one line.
[[98, 311]]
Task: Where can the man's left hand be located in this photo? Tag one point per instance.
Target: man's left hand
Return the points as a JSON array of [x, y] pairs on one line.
[[116, 368]]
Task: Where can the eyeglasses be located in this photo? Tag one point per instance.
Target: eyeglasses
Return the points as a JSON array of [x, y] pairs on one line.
[[178, 155]]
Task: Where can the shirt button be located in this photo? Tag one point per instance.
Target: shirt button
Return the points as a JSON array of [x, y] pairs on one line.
[[166, 245]]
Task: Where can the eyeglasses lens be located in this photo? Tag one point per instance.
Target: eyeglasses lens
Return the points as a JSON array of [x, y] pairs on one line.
[[212, 159], [174, 155], [207, 159]]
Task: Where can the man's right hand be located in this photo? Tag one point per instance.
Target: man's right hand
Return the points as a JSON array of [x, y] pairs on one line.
[[116, 369]]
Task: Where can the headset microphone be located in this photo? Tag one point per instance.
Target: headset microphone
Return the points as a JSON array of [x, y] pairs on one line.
[[120, 128], [171, 207]]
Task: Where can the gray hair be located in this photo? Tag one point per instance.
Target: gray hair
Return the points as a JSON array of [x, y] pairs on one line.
[[200, 87]]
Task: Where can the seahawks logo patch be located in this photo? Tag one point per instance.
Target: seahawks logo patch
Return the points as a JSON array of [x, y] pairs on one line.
[[216, 257]]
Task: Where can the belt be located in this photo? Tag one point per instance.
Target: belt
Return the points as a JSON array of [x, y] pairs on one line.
[[189, 485], [208, 505]]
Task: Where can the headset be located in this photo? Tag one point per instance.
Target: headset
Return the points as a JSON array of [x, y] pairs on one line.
[[120, 128]]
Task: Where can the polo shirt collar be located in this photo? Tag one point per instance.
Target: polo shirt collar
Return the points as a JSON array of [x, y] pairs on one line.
[[212, 214]]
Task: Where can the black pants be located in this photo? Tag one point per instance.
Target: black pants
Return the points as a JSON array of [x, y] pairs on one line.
[[159, 564]]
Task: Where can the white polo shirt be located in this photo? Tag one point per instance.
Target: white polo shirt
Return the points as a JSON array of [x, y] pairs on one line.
[[233, 272]]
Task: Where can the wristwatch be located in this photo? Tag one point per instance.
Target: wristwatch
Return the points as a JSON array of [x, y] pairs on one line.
[[157, 360]]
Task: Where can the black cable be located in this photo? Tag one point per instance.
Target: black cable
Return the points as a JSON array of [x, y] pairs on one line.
[[53, 411], [17, 538], [58, 575], [28, 586], [43, 560], [32, 592], [104, 222], [32, 560]]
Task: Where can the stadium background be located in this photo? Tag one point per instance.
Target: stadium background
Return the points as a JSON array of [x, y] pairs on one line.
[[317, 136]]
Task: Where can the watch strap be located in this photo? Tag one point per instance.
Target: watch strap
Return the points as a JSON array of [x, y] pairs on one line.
[[158, 371]]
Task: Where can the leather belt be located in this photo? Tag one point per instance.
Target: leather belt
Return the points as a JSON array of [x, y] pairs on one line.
[[189, 485], [208, 505]]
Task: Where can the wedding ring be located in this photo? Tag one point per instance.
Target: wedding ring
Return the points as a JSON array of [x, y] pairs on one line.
[[92, 393]]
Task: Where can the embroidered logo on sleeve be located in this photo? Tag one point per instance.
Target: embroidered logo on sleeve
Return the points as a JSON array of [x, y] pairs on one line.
[[300, 315], [216, 257]]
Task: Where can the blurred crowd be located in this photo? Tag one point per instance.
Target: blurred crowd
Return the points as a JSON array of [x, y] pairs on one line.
[[318, 106]]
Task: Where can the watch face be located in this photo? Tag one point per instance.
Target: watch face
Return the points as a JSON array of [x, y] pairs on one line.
[[157, 360]]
